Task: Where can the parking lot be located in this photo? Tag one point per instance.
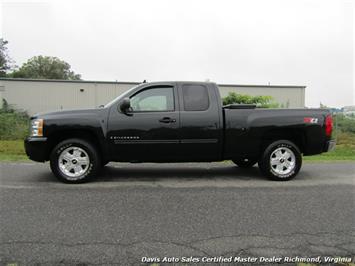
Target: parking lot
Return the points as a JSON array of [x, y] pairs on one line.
[[155, 210]]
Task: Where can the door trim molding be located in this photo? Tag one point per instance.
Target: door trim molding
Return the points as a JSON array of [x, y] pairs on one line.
[[198, 141], [163, 141]]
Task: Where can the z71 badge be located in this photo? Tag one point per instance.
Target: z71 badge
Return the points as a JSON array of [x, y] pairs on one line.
[[310, 120]]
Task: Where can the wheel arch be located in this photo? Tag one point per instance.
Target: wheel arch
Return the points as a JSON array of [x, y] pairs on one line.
[[83, 134], [295, 136]]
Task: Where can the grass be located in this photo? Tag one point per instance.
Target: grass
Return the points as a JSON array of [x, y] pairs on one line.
[[13, 150], [342, 152], [14, 126]]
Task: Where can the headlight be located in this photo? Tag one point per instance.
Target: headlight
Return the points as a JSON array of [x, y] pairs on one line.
[[37, 128]]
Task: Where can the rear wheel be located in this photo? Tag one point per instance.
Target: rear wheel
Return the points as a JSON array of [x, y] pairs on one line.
[[75, 161], [245, 163], [281, 160]]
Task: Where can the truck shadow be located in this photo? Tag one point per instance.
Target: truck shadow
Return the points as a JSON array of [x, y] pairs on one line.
[[159, 172]]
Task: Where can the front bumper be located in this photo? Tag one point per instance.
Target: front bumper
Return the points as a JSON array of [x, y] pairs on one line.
[[36, 148], [330, 145]]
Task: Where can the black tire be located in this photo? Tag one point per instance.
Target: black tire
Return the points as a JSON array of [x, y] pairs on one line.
[[84, 148], [289, 167], [245, 163]]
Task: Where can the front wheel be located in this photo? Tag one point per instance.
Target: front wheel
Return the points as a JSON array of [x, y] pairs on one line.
[[281, 160], [75, 161]]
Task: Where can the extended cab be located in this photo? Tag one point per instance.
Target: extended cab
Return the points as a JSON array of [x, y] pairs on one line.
[[177, 122]]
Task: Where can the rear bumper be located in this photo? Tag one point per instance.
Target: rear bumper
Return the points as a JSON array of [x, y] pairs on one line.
[[330, 145], [36, 148]]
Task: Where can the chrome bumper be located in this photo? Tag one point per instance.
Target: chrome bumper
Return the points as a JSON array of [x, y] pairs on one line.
[[330, 145]]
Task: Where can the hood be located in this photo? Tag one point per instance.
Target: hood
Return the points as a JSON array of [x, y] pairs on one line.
[[70, 113]]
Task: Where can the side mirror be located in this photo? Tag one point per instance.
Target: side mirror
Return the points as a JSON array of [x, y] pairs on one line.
[[125, 105]]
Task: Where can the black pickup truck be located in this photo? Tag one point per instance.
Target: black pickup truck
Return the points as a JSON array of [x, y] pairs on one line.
[[177, 122]]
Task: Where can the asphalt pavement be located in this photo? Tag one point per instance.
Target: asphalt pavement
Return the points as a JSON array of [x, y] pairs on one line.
[[135, 211]]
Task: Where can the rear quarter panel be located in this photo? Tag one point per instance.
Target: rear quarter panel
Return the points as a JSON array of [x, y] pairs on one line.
[[248, 131]]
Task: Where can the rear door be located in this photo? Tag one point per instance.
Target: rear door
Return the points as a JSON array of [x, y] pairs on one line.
[[200, 122]]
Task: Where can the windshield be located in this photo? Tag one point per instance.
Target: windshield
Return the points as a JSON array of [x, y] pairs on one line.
[[123, 95]]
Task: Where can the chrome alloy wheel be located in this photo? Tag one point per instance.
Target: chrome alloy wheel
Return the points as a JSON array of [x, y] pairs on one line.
[[282, 161], [73, 162]]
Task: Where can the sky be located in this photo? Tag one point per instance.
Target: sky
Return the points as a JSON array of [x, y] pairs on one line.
[[277, 42]]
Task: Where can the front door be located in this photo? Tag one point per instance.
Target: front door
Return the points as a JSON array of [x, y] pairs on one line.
[[150, 131]]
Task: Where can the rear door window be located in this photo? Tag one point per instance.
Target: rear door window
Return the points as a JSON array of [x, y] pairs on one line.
[[195, 97]]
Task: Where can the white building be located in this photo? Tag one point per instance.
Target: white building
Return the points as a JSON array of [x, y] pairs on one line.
[[349, 111], [36, 96]]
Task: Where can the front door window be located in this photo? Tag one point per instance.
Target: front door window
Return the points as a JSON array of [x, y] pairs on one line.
[[160, 99]]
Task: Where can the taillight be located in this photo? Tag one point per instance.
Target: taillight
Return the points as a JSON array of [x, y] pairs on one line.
[[328, 125]]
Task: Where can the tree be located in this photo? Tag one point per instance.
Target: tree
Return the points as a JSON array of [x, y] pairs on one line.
[[45, 67], [6, 62], [260, 101]]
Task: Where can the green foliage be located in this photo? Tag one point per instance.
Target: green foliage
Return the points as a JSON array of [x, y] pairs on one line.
[[12, 150], [344, 124], [345, 138], [5, 60], [13, 124], [341, 153], [45, 67], [260, 101]]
